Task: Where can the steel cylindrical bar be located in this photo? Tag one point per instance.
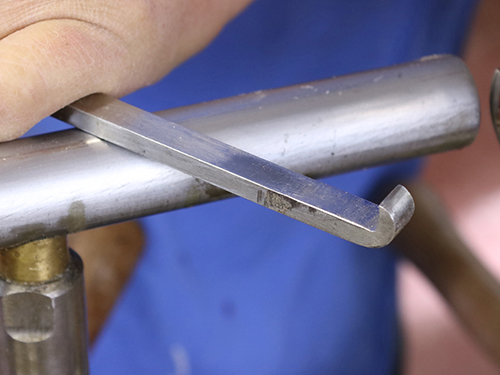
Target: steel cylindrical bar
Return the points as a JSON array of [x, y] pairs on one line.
[[70, 181], [43, 324]]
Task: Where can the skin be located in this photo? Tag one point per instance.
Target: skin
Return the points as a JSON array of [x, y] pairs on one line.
[[53, 52]]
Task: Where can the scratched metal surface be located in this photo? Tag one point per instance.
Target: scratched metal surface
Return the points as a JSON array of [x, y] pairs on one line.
[[70, 181]]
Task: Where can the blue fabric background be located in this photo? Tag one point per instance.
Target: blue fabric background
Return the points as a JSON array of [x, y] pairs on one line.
[[232, 288]]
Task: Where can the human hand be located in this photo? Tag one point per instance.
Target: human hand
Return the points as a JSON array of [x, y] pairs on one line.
[[53, 52]]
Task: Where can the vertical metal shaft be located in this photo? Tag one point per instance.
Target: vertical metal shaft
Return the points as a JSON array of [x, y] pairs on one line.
[[43, 328]]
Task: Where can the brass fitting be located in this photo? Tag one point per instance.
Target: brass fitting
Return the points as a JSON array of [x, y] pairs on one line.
[[43, 325], [35, 262]]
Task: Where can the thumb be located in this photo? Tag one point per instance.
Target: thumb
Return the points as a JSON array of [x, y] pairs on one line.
[[50, 64]]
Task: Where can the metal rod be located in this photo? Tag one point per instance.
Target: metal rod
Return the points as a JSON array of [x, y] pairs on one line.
[[70, 181], [312, 202], [43, 329]]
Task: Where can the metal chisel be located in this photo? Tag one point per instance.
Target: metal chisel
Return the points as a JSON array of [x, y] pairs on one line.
[[312, 202]]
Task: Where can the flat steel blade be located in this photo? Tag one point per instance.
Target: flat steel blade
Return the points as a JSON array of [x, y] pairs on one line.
[[312, 202]]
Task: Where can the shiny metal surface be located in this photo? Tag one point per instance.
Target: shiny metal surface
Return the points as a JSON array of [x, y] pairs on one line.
[[43, 325], [70, 181], [297, 196], [34, 262]]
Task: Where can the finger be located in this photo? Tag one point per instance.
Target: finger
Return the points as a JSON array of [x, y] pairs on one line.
[[50, 64]]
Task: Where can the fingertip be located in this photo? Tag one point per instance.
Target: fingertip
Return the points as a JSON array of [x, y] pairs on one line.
[[48, 65]]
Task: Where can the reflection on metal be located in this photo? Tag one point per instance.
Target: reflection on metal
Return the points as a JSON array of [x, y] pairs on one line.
[[34, 262], [70, 181], [433, 244], [297, 196], [43, 328]]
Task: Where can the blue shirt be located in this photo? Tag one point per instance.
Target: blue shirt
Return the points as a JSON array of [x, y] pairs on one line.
[[233, 288]]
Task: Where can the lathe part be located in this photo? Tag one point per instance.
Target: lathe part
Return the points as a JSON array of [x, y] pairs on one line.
[[292, 194], [44, 329], [70, 181], [35, 262]]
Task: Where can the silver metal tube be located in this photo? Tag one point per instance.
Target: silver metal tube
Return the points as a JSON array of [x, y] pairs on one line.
[[70, 181], [43, 325]]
